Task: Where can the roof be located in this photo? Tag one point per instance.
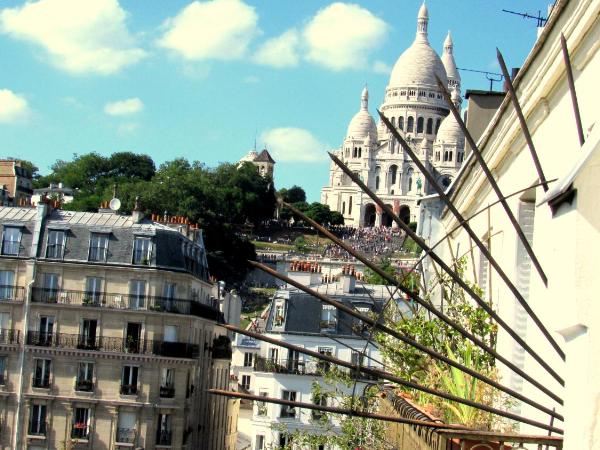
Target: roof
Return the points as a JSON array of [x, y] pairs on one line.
[[481, 92], [264, 156]]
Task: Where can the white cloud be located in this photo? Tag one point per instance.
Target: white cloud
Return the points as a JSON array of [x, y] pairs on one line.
[[341, 36], [216, 29], [124, 107], [79, 36], [13, 107], [294, 144], [280, 51], [381, 67]]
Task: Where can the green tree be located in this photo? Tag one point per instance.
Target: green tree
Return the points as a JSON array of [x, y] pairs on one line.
[[374, 278], [292, 195]]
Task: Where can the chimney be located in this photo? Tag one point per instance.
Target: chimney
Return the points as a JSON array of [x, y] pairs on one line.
[[348, 279], [137, 215], [307, 273]]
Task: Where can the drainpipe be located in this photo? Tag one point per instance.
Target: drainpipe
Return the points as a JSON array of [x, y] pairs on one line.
[[42, 209]]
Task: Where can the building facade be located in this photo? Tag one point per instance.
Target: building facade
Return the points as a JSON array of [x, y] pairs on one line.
[[110, 334], [414, 104], [263, 161], [300, 319], [562, 225], [15, 181]]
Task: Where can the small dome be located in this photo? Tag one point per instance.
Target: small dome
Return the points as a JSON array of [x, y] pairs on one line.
[[362, 124], [450, 132]]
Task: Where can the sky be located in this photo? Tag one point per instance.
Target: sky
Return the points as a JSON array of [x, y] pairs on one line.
[[207, 79]]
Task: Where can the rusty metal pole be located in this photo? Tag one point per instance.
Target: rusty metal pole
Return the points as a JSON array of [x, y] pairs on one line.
[[571, 82]]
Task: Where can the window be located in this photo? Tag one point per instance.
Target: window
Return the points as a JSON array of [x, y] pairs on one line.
[[7, 285], [2, 370], [260, 442], [93, 291], [11, 241], [85, 377], [357, 358], [248, 356], [273, 354], [279, 315], [401, 123], [169, 290], [321, 400], [50, 281], [167, 383], [126, 427], [163, 430], [393, 121], [377, 182], [393, 172], [328, 318], [98, 247], [288, 411], [261, 407], [284, 440], [87, 337], [170, 333], [437, 156], [421, 93], [41, 373], [46, 331], [420, 121], [350, 205], [133, 335], [81, 423], [343, 208], [327, 351], [137, 294], [55, 248], [37, 420], [437, 125], [429, 126], [142, 251], [410, 124], [129, 380], [245, 382]]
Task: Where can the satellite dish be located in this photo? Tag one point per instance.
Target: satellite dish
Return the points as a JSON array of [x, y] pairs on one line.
[[115, 204]]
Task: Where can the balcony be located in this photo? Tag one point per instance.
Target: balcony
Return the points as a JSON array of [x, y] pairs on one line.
[[113, 344], [10, 336], [124, 301], [163, 437], [12, 293], [80, 431], [84, 385], [286, 366], [167, 391], [125, 435], [41, 382], [129, 389]]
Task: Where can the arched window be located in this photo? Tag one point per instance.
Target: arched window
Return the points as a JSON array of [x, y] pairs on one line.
[[393, 121], [393, 171], [420, 121], [354, 152], [350, 205], [429, 125], [401, 123], [359, 152], [343, 208], [377, 183], [410, 124], [437, 156], [347, 152], [410, 183], [450, 156], [437, 125]]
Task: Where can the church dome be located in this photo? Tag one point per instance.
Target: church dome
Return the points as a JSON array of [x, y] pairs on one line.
[[419, 64], [450, 131], [362, 124]]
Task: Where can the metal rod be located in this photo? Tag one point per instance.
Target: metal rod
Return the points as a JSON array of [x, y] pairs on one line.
[[439, 260], [465, 333], [407, 340], [571, 82], [334, 410], [393, 378], [517, 106], [492, 181], [483, 250]]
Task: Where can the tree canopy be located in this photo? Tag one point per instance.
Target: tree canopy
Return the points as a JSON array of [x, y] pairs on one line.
[[220, 199]]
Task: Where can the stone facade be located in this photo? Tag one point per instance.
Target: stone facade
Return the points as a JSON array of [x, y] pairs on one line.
[[110, 334]]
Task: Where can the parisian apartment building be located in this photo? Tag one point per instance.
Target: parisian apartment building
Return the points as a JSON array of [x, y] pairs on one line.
[[110, 334]]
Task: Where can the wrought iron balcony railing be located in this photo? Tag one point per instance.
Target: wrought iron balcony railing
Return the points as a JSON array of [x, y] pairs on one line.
[[129, 389], [289, 366], [163, 437], [126, 301], [113, 344], [84, 385], [80, 431], [126, 435], [10, 336], [167, 391], [12, 293]]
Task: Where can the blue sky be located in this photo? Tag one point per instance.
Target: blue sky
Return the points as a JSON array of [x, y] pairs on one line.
[[202, 79]]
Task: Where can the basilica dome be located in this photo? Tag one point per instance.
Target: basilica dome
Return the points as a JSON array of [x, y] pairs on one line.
[[362, 124], [449, 131]]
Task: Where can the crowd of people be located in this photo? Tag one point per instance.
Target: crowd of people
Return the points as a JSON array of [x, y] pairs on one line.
[[372, 241]]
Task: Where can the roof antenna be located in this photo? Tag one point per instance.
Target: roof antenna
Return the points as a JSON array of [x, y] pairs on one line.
[[541, 21], [255, 132]]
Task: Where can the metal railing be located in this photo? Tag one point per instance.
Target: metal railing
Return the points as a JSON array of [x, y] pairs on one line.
[[15, 293], [163, 437], [113, 344], [167, 391], [8, 336], [126, 435], [126, 301], [289, 366], [129, 389], [80, 431], [84, 385], [41, 382]]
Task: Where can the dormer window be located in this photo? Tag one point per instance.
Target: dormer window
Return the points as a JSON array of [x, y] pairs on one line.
[[279, 317], [55, 248], [328, 318], [11, 241], [98, 247], [142, 251]]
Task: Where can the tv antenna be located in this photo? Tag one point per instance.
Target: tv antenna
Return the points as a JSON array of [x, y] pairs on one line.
[[541, 20], [492, 77]]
